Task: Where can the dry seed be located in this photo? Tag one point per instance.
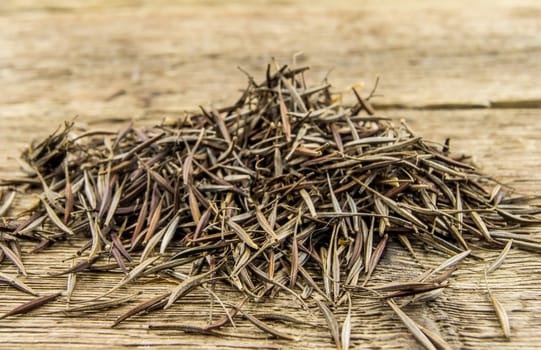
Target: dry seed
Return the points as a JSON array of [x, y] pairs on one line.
[[248, 185]]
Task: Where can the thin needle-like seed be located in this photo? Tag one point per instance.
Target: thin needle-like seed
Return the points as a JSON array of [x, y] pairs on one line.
[[346, 327], [306, 197], [332, 323], [55, 219], [284, 116], [412, 326], [368, 246], [68, 194], [378, 252], [502, 315], [243, 235], [31, 305], [145, 305], [136, 272], [96, 239], [185, 286], [15, 282], [168, 236], [264, 223], [154, 220], [96, 306], [295, 95], [499, 260], [266, 328], [14, 257], [194, 205], [435, 338], [142, 215], [7, 203], [481, 225], [500, 312], [449, 263], [70, 284], [114, 203], [294, 259], [89, 190], [228, 317]]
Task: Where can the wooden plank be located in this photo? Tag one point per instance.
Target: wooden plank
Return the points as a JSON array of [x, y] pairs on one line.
[[109, 61], [129, 61]]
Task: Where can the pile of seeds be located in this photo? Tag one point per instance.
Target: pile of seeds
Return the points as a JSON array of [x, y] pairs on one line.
[[288, 190]]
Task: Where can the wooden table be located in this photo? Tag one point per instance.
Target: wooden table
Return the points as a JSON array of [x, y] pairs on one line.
[[468, 70]]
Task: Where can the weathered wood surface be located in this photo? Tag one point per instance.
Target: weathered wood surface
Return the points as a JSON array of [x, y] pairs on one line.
[[111, 61]]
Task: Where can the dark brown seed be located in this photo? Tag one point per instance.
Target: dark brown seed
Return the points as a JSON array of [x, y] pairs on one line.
[[145, 305], [31, 305]]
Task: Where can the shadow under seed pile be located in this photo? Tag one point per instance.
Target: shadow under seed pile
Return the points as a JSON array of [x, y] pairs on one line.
[[287, 190]]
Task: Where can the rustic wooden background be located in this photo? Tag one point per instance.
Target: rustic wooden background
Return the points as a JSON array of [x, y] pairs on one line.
[[468, 70]]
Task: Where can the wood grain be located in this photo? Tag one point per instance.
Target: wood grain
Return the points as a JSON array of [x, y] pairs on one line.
[[460, 69]]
